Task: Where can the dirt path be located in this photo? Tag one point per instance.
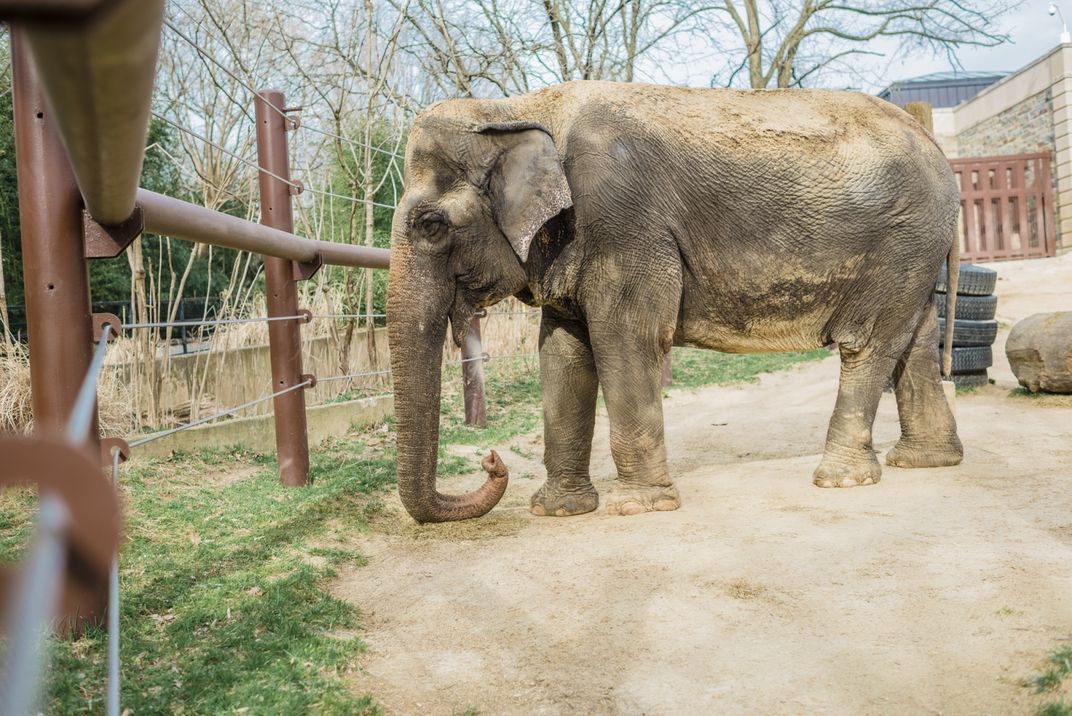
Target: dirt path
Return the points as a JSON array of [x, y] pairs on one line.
[[936, 591]]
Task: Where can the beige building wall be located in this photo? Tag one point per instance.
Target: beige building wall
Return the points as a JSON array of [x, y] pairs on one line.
[[1028, 111]]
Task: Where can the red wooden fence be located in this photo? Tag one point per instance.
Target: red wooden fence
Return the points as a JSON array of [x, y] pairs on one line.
[[1006, 207]]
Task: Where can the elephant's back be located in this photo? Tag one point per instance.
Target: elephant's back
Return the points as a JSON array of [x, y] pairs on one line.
[[751, 152], [745, 120]]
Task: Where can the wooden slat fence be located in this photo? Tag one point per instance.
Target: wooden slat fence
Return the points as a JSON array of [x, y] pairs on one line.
[[1006, 207]]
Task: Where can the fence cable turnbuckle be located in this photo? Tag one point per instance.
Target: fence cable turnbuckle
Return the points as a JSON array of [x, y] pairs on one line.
[[107, 242], [100, 320]]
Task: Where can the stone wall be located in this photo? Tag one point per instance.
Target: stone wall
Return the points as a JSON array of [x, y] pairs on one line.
[[1023, 128], [1026, 127], [1030, 110]]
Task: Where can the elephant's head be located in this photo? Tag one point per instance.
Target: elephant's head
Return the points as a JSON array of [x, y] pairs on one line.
[[477, 191]]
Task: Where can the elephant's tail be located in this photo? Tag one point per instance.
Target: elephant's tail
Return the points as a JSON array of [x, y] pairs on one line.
[[953, 276]]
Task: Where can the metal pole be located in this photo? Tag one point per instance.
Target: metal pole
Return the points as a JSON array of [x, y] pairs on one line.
[[284, 337], [473, 376], [183, 220], [667, 378], [56, 277], [58, 312]]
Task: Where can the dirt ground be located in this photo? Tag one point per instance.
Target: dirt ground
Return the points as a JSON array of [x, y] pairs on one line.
[[935, 591]]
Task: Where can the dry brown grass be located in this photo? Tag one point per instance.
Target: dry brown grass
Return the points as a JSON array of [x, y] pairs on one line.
[[135, 396], [15, 412], [117, 416]]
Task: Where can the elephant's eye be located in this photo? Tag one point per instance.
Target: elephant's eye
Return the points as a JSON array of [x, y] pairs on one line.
[[431, 223]]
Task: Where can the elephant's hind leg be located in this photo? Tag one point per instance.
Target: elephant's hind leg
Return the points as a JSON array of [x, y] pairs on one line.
[[569, 384], [849, 459], [928, 428]]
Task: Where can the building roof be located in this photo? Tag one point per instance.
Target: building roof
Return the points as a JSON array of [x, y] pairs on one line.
[[941, 89], [950, 78]]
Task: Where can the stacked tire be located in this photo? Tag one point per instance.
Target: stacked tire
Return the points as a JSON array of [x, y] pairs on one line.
[[974, 327]]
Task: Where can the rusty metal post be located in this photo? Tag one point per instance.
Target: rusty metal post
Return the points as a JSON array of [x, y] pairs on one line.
[[923, 113], [56, 277], [284, 337], [58, 312], [667, 378], [473, 376]]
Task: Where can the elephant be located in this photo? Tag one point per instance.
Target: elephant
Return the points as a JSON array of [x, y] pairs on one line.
[[640, 217]]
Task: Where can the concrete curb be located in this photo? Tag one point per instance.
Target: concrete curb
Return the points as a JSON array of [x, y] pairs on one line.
[[257, 433]]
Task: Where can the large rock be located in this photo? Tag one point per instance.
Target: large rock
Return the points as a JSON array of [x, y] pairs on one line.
[[1040, 352]]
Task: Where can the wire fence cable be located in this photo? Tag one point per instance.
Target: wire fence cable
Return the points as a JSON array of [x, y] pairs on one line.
[[113, 613], [213, 322], [209, 419], [253, 165], [81, 418]]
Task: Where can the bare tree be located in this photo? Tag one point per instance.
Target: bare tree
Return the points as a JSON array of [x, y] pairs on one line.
[[789, 43], [345, 52], [487, 46]]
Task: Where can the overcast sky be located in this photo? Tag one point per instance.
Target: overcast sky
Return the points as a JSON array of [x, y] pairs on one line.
[[1032, 30]]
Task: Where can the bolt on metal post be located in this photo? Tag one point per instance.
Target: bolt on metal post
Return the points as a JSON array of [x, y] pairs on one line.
[[284, 337]]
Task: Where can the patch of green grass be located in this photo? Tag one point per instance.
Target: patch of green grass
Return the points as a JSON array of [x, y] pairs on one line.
[[225, 574], [1059, 669], [1043, 400], [223, 605], [695, 368]]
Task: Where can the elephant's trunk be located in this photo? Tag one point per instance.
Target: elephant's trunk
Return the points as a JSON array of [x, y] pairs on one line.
[[416, 321]]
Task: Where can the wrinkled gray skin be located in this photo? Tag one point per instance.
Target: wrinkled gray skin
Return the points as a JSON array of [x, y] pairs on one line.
[[640, 217]]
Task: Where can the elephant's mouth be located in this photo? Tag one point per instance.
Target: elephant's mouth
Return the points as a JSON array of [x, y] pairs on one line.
[[461, 315]]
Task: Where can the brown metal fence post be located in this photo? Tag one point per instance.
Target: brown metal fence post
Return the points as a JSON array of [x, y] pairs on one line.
[[284, 337], [667, 378], [58, 312], [473, 376]]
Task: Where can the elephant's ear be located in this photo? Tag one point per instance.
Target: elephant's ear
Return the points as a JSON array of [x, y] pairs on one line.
[[527, 184]]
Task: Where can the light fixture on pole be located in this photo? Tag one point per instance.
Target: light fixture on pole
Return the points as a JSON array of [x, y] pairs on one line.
[[1054, 10]]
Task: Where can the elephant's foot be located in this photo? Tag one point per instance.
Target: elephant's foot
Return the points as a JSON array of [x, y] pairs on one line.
[[910, 452], [635, 499], [560, 502], [843, 471]]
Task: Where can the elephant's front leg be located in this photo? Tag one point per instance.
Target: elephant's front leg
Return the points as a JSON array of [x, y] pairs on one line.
[[568, 382], [630, 371]]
